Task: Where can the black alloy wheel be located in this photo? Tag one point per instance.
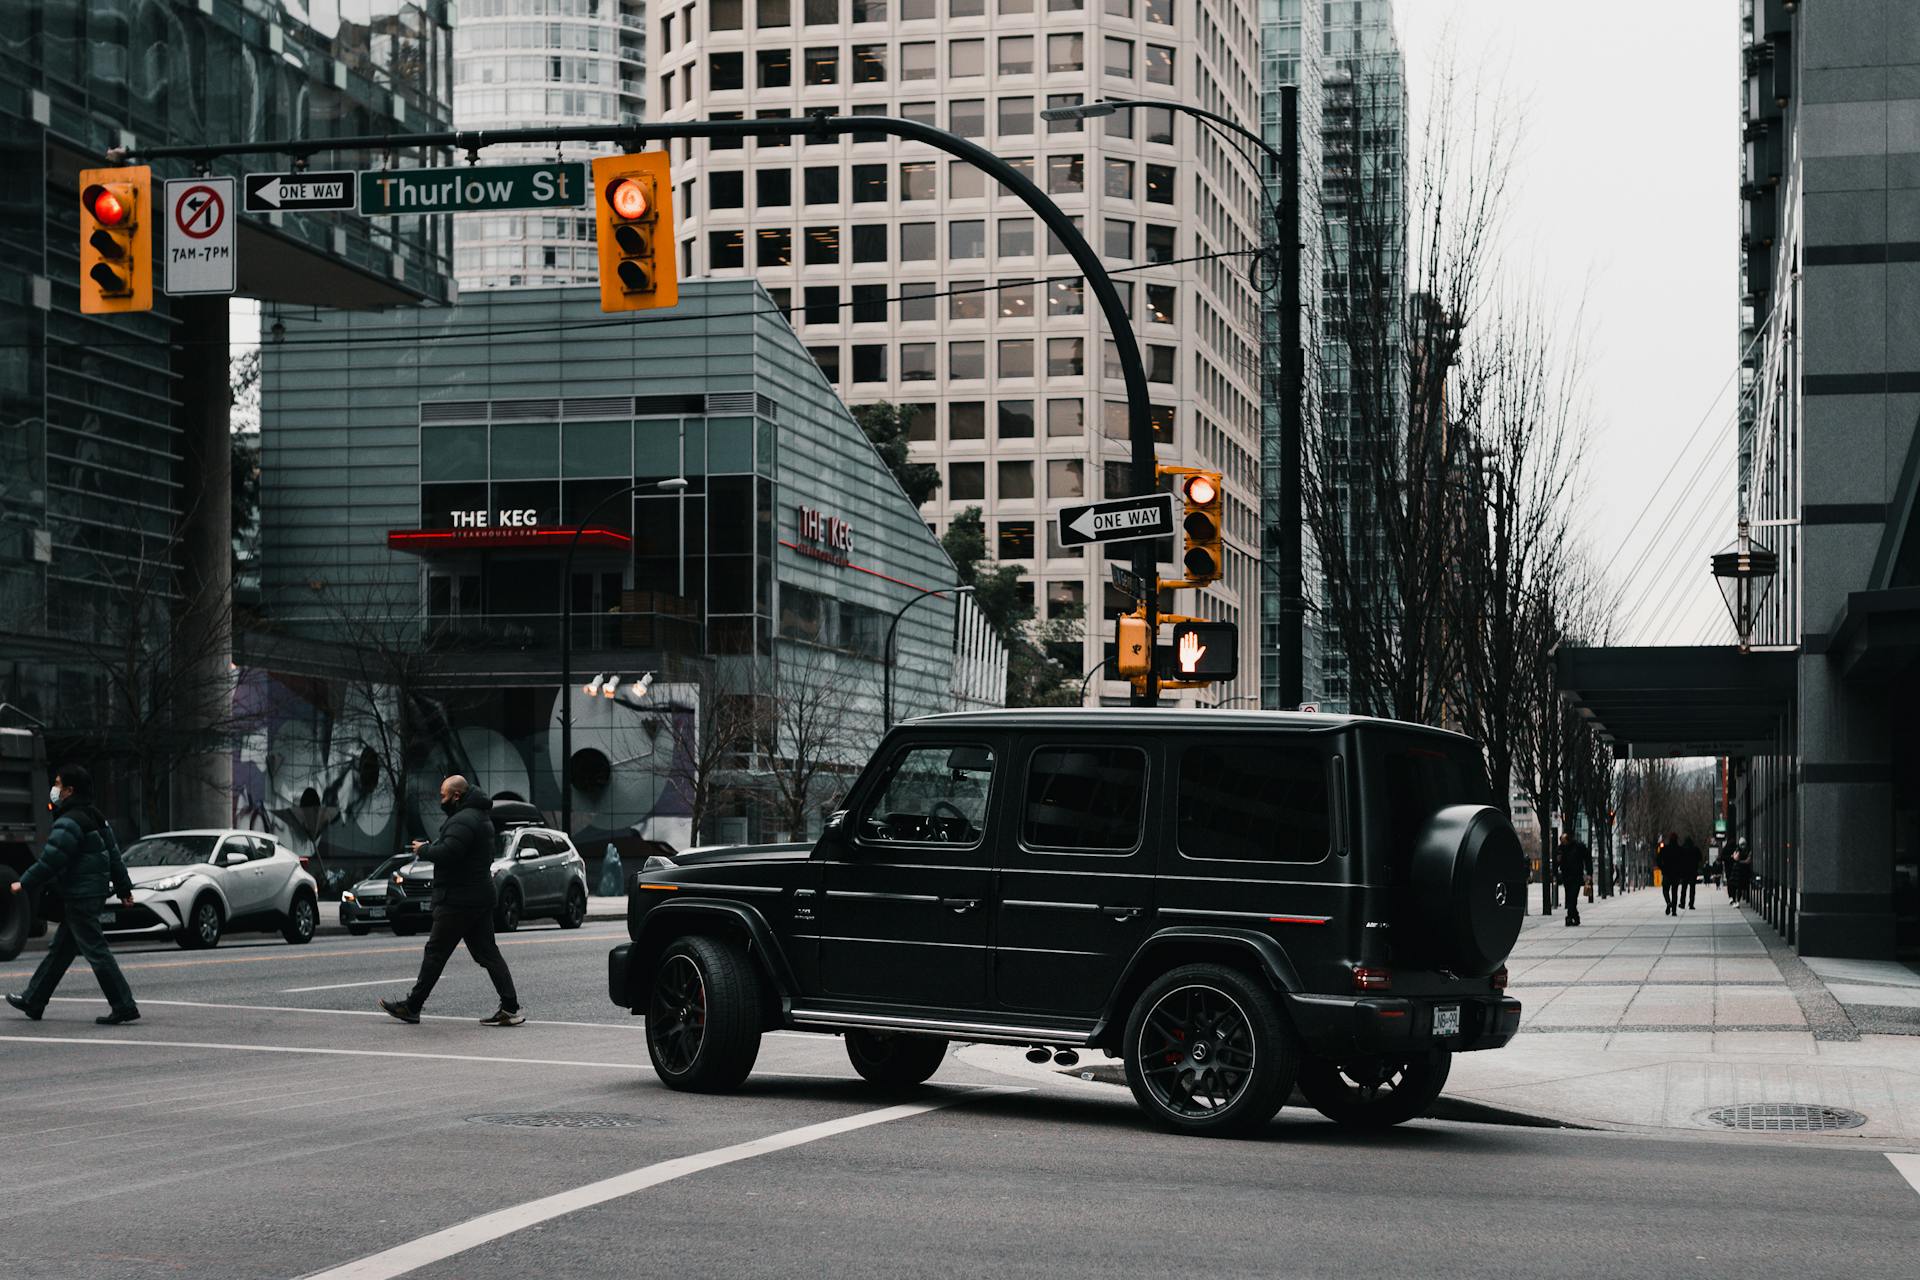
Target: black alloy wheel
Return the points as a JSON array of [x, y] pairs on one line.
[[895, 1061], [575, 913], [202, 931], [1375, 1093], [1209, 1053], [506, 917], [405, 928], [303, 918], [704, 1016]]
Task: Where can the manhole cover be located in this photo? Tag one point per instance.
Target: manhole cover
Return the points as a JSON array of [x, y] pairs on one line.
[[564, 1120], [1786, 1117]]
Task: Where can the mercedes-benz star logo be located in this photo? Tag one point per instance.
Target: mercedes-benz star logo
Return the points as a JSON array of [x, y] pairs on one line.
[[1500, 894]]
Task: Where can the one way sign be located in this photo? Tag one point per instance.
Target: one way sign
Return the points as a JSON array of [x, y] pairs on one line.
[[1121, 520], [305, 192]]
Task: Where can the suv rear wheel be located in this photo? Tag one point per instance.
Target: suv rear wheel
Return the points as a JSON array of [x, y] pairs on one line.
[[893, 1061], [703, 1020], [1209, 1053], [1374, 1093]]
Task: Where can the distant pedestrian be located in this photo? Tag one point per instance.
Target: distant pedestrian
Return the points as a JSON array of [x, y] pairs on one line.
[[1740, 874], [613, 876], [462, 859], [1572, 861], [1690, 861], [81, 862], [1666, 860]]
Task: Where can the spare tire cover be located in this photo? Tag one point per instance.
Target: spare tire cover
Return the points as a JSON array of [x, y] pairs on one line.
[[1469, 886], [16, 916]]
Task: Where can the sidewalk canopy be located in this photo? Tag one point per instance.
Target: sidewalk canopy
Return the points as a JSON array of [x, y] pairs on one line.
[[1679, 700]]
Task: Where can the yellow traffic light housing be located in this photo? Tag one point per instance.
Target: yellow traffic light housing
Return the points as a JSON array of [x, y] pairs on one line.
[[1200, 495], [1133, 646], [633, 228], [116, 242]]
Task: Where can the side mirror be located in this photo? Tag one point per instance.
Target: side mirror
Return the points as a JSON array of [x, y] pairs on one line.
[[233, 858], [834, 838]]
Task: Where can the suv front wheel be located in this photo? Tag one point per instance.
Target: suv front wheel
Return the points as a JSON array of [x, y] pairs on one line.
[[703, 1020], [1375, 1093], [1209, 1053]]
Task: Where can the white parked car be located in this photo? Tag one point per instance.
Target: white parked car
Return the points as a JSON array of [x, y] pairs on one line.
[[195, 886]]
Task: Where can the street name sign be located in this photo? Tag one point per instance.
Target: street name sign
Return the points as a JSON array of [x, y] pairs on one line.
[[1120, 520], [1126, 580], [199, 215], [476, 188], [301, 192]]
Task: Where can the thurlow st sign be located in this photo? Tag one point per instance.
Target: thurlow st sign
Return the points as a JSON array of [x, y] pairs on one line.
[[474, 189]]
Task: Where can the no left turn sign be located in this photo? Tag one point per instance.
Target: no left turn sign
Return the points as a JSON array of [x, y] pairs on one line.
[[199, 236]]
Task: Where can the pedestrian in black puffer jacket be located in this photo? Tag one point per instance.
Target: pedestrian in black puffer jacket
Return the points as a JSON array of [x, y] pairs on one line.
[[462, 858], [82, 862]]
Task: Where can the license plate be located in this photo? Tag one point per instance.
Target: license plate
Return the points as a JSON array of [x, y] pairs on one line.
[[1446, 1020], [376, 913], [107, 917]]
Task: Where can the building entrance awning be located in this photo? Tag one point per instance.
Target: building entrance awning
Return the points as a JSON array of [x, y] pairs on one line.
[[430, 542], [1680, 700], [1877, 635]]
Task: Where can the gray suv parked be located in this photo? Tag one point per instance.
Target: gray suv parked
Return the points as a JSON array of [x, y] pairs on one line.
[[537, 873]]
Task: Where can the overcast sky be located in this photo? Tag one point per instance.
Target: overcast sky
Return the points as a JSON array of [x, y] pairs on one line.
[[1627, 205]]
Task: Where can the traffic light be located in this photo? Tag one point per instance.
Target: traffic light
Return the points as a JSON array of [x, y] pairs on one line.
[[633, 225], [116, 243], [1200, 651], [1200, 491], [1133, 647]]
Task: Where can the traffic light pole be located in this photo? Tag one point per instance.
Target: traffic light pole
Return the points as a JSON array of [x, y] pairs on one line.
[[1133, 372]]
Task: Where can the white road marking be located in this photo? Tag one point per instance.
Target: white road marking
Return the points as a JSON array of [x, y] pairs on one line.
[[1908, 1165], [457, 1239], [341, 986]]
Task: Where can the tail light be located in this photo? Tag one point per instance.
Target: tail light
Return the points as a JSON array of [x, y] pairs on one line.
[[1499, 978], [1372, 979]]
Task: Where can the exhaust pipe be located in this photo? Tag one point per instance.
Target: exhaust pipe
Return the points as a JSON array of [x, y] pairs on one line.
[[1066, 1058], [1038, 1055]]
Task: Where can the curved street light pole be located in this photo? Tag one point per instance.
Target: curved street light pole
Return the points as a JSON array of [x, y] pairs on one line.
[[566, 639], [1087, 683], [886, 666]]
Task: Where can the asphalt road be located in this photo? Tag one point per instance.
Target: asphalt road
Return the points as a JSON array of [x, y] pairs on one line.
[[265, 1120]]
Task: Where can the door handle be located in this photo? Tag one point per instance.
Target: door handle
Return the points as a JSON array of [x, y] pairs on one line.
[[960, 906], [1123, 914]]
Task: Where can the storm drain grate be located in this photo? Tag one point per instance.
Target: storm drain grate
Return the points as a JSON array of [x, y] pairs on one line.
[[1786, 1117], [564, 1120]]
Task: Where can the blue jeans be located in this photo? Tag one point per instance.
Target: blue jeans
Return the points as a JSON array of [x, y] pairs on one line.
[[80, 935]]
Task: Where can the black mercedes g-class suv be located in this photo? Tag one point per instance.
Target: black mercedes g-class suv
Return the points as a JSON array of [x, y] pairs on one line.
[[1233, 903]]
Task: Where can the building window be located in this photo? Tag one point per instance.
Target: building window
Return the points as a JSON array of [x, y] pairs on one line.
[[1016, 237], [967, 420], [1066, 51], [917, 11], [1160, 184], [1016, 361], [1066, 418], [726, 71], [779, 140], [822, 184], [1016, 6], [1067, 297], [916, 61], [1016, 117], [968, 117], [869, 64], [869, 361], [822, 13], [870, 242], [1117, 125], [1066, 175], [1160, 11], [725, 15], [966, 59], [1119, 58], [967, 481], [966, 8], [869, 10], [772, 188], [967, 238], [1016, 299], [1158, 126], [1016, 416], [823, 65], [964, 182], [1159, 242], [919, 421], [773, 68], [966, 360], [870, 304], [916, 362], [822, 304], [916, 301], [1159, 64], [726, 189], [1015, 536], [1160, 362], [869, 109], [1066, 6], [1161, 416], [1066, 357], [920, 113], [967, 300], [776, 247], [828, 358], [1118, 240], [1160, 307], [1073, 125], [822, 246], [1119, 179], [775, 13], [1016, 55], [917, 180], [726, 249], [917, 243], [869, 184], [1066, 478]]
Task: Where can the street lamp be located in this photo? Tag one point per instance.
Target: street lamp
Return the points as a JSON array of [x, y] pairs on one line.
[[886, 676], [1087, 683], [673, 485]]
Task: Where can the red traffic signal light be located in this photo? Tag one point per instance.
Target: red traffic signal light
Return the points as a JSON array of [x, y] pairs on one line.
[[1201, 490], [110, 208], [1203, 560], [633, 228], [628, 198], [116, 262]]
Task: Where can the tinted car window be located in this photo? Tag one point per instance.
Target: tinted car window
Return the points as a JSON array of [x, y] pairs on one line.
[[169, 851], [932, 794], [1423, 780], [1253, 802], [1084, 798]]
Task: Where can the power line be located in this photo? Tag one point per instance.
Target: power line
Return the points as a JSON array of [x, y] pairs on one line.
[[1673, 569]]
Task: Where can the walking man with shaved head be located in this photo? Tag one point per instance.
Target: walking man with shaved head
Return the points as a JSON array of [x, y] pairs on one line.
[[462, 858]]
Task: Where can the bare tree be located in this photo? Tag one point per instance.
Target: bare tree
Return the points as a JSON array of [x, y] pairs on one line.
[[814, 734], [710, 744]]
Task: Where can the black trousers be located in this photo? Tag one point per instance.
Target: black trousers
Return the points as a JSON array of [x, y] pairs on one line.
[[473, 926], [1687, 888], [1573, 901], [1669, 891], [79, 935]]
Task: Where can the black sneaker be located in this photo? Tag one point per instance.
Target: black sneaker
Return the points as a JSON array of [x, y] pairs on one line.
[[20, 1003], [504, 1018], [402, 1010], [118, 1016]]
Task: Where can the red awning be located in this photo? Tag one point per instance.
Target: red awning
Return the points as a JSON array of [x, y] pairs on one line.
[[428, 542]]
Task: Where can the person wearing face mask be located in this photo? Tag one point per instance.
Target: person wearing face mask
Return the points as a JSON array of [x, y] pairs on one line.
[[81, 860], [462, 858]]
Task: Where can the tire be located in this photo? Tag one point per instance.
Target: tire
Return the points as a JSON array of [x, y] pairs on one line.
[[204, 924], [16, 917], [574, 914], [303, 918], [895, 1062], [703, 1016], [1467, 895], [405, 928], [506, 916], [1375, 1094], [359, 930], [1208, 1052]]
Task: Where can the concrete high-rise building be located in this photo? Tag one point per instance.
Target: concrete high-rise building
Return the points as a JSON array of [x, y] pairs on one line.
[[523, 64], [913, 280]]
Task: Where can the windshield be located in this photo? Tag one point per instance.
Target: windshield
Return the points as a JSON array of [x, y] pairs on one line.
[[390, 866], [170, 851]]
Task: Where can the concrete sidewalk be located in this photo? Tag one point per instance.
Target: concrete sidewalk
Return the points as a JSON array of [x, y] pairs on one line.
[[1642, 1020]]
